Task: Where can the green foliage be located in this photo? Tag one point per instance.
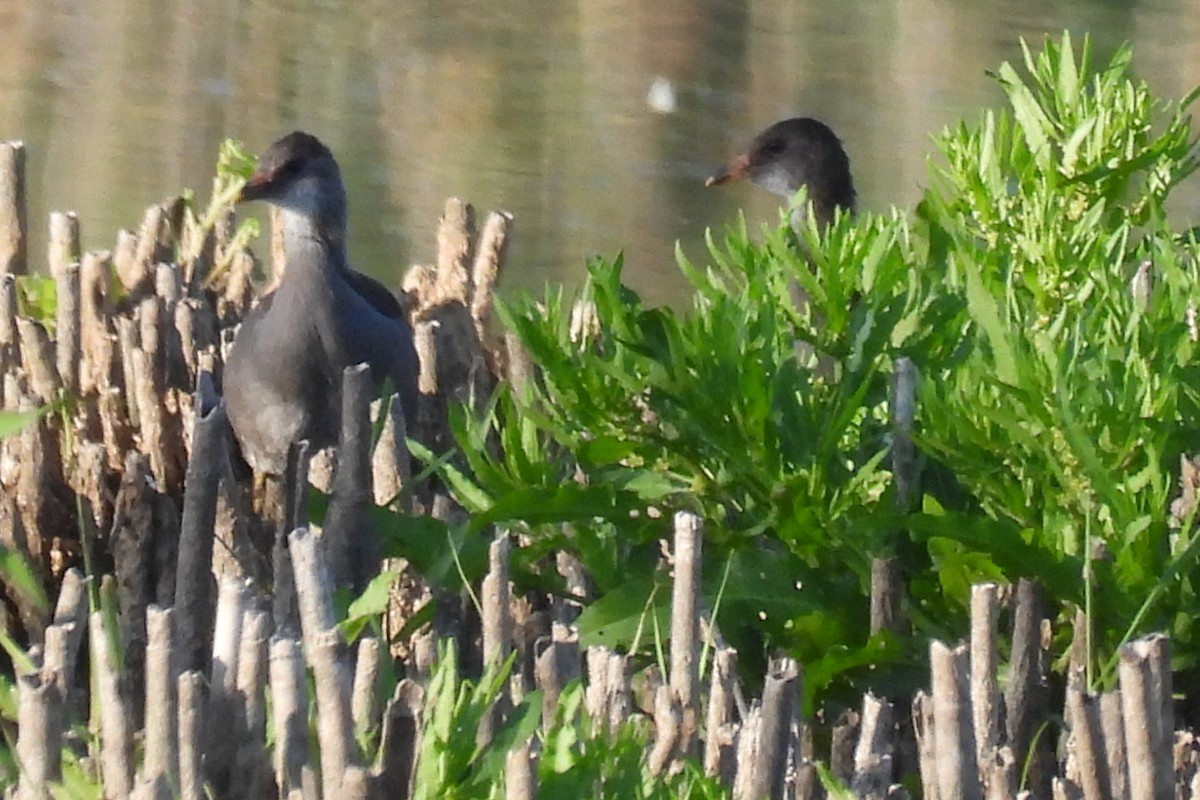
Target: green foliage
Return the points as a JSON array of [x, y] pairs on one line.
[[576, 760], [579, 761], [37, 296], [1050, 311], [1072, 410], [450, 762], [16, 574], [234, 166], [13, 423], [639, 412], [79, 780]]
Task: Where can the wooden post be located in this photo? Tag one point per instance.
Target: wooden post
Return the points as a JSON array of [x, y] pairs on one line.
[[391, 463], [718, 739], [985, 690], [489, 255], [497, 628], [191, 736], [400, 743], [39, 740], [162, 714], [335, 727], [13, 209], [221, 740], [289, 709], [953, 734], [778, 707], [1144, 673], [667, 720], [1088, 737], [64, 241], [251, 769], [558, 663], [364, 698], [872, 771], [37, 351], [1112, 722], [1026, 700], [351, 550], [116, 734], [520, 771], [323, 648], [454, 240], [314, 589], [685, 628], [194, 581]]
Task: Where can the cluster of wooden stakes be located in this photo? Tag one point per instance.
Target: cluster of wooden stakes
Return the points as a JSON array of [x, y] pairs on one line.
[[129, 482]]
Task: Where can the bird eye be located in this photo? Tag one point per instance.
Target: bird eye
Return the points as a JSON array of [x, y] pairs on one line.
[[773, 147], [288, 168]]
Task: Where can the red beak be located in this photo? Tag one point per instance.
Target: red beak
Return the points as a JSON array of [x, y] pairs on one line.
[[735, 170], [258, 186]]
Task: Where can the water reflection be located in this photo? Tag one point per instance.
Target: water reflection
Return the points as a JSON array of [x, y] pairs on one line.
[[539, 108]]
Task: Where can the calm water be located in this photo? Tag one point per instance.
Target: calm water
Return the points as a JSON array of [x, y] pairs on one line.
[[539, 107]]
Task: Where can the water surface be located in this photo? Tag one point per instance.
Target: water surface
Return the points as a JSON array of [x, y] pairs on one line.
[[540, 108]]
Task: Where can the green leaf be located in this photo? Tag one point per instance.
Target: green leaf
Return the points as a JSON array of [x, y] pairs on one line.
[[986, 313], [369, 605], [20, 577]]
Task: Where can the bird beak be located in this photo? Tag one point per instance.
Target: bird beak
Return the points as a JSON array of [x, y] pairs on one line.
[[735, 170], [258, 186]]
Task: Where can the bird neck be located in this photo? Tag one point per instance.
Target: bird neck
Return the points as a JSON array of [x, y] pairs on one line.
[[822, 204], [819, 210], [310, 243]]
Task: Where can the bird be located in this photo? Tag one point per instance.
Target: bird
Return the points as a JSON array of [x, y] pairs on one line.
[[283, 376], [792, 154]]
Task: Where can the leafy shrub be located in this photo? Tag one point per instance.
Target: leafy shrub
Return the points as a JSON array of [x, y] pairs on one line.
[[1056, 401]]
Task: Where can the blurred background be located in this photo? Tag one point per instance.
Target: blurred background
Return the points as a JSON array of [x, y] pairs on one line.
[[593, 122]]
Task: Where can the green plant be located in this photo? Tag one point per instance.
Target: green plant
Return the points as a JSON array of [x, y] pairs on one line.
[[1077, 400], [647, 411], [234, 166], [578, 762], [575, 760], [1055, 399], [451, 763]]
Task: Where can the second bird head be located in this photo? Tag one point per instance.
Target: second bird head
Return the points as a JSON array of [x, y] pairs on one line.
[[793, 154]]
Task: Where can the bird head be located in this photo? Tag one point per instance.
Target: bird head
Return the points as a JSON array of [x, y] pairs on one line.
[[298, 173], [794, 154]]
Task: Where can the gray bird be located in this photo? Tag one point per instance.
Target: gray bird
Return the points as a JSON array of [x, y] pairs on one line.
[[795, 153], [283, 377]]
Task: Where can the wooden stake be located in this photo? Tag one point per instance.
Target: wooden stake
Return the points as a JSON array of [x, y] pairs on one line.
[[985, 689], [194, 582], [685, 628], [497, 627], [39, 741], [454, 239], [364, 699], [191, 736], [116, 734], [954, 737], [350, 547], [289, 710], [1145, 692], [64, 241], [13, 209]]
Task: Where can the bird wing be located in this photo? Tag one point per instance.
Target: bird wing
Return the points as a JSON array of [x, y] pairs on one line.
[[375, 293]]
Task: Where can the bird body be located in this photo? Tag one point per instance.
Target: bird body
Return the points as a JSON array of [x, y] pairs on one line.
[[284, 372]]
